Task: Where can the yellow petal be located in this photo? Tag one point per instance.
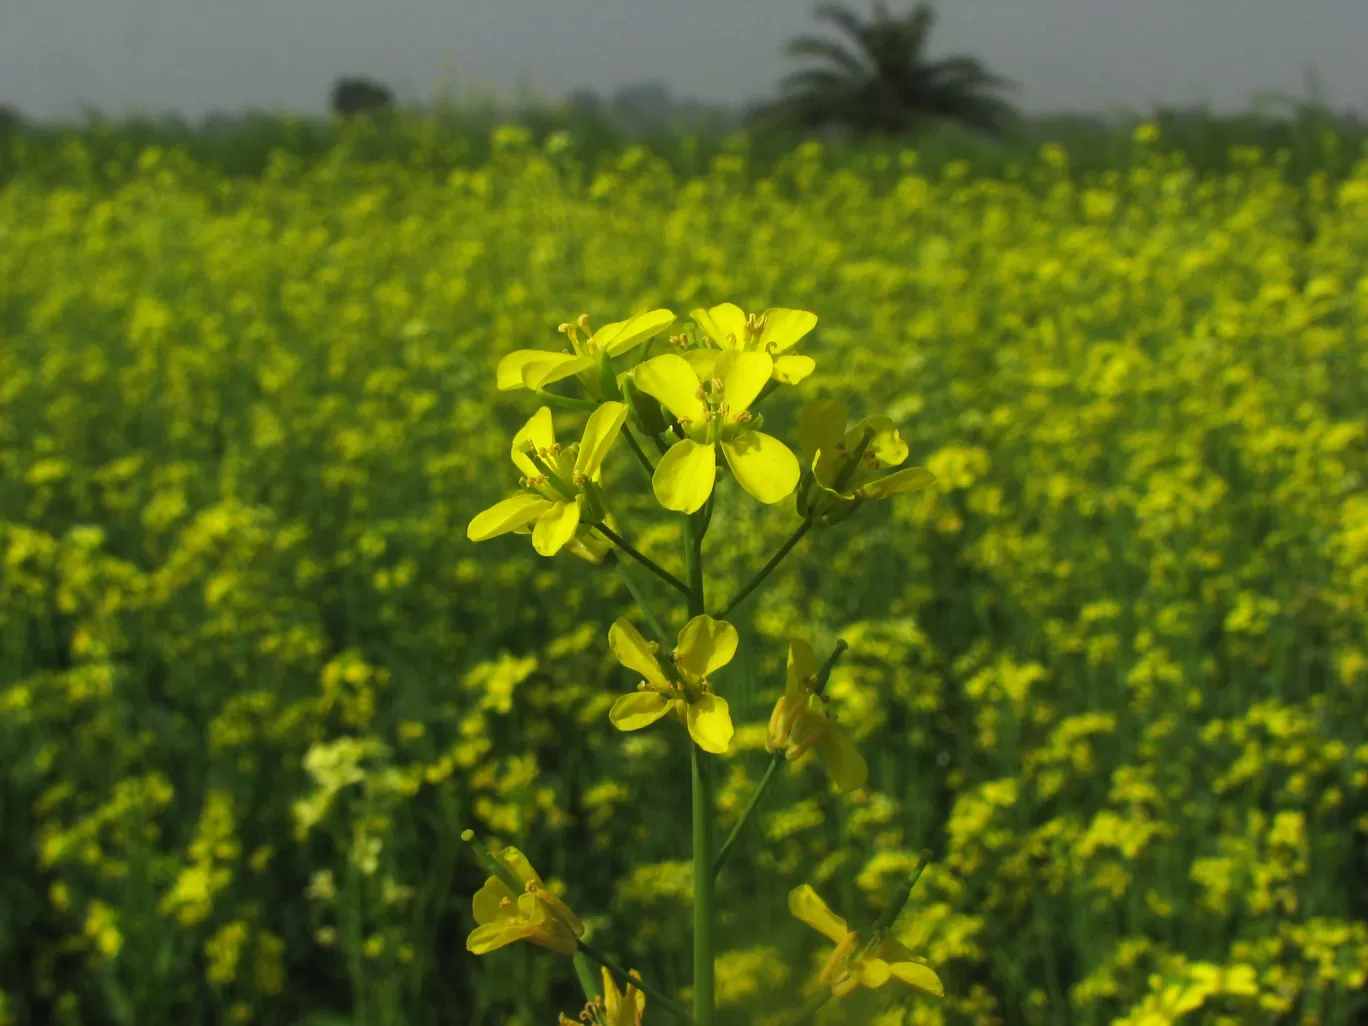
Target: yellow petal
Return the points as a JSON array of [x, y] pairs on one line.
[[785, 327], [763, 465], [638, 709], [685, 475], [725, 324], [634, 652], [874, 972], [557, 367], [488, 900], [600, 432], [743, 376], [811, 909], [516, 863], [484, 939], [802, 665], [537, 433], [710, 724], [671, 380], [793, 369], [887, 444], [508, 515], [510, 373], [705, 646], [923, 977], [821, 425], [556, 527], [619, 337], [843, 760], [703, 361], [909, 479]]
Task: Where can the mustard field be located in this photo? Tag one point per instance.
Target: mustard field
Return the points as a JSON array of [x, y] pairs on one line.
[[255, 681]]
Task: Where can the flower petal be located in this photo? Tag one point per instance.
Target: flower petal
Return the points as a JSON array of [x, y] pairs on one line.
[[873, 972], [793, 369], [510, 373], [703, 361], [556, 527], [843, 760], [909, 479], [743, 376], [763, 465], [508, 515], [710, 724], [705, 646], [785, 327], [621, 336], [685, 475], [802, 665], [556, 367], [920, 976], [804, 903], [536, 433], [821, 425], [725, 324], [671, 380], [488, 900], [638, 709], [887, 444], [635, 652], [600, 432], [516, 863], [492, 936]]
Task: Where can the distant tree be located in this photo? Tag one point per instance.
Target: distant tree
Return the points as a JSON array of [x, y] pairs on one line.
[[356, 95], [9, 119], [879, 80]]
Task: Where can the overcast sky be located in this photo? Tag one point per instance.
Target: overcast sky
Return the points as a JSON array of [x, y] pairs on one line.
[[198, 56]]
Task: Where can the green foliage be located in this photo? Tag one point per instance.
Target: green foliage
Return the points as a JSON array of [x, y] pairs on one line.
[[254, 681]]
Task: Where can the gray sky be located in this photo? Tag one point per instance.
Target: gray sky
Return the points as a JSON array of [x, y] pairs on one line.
[[197, 56]]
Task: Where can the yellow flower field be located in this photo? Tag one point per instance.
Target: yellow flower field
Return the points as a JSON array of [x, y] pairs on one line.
[[1112, 670]]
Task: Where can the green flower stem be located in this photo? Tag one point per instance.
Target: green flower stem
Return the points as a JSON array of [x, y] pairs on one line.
[[766, 570], [895, 907], [775, 763], [652, 621], [624, 980], [645, 560], [703, 913], [565, 402], [587, 978], [641, 456], [811, 1009], [822, 675]]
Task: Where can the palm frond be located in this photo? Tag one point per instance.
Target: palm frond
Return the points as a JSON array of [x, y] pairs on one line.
[[815, 46]]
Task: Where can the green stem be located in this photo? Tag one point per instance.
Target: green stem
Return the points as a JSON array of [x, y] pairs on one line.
[[652, 621], [641, 456], [624, 980], [766, 570], [812, 1008], [703, 886], [779, 757], [770, 770], [564, 401], [645, 560], [701, 775]]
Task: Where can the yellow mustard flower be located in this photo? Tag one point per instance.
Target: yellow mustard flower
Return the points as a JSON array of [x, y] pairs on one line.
[[800, 721], [828, 447], [716, 416], [705, 645], [843, 972], [614, 1008], [536, 915], [557, 494], [772, 332], [536, 368]]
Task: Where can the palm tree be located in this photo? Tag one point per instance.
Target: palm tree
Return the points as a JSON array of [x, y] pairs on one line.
[[883, 83]]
